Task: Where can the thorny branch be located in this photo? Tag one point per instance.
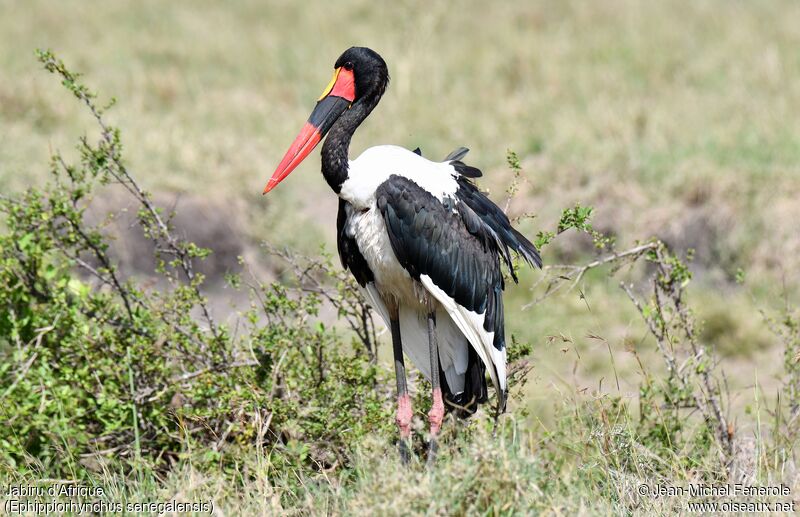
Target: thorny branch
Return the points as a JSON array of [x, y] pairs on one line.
[[669, 321], [152, 394]]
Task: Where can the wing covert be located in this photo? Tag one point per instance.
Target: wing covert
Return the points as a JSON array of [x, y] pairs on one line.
[[431, 239]]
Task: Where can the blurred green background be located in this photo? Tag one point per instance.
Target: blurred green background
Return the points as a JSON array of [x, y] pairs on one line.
[[673, 119]]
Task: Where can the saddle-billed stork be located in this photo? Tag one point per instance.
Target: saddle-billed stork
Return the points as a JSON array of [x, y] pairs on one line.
[[423, 243]]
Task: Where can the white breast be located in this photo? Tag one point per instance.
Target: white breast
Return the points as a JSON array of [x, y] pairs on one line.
[[392, 280]]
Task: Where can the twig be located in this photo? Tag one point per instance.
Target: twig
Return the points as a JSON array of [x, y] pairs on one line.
[[575, 273], [694, 379], [120, 172], [20, 375], [356, 312], [144, 394]]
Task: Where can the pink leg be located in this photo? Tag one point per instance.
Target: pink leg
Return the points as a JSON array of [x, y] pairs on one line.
[[404, 415], [436, 414]]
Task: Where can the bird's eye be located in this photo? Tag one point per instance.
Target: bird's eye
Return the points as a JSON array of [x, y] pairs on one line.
[[348, 66]]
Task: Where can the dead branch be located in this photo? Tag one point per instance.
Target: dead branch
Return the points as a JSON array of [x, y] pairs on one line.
[[574, 274]]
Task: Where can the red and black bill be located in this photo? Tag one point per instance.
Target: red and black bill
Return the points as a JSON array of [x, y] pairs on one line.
[[337, 97]]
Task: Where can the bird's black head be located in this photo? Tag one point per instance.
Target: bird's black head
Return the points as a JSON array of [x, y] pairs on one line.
[[360, 77], [369, 70]]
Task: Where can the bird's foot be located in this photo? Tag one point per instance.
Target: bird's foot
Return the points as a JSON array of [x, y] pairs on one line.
[[405, 451], [436, 414]]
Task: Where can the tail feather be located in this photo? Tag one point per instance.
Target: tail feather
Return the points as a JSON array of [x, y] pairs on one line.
[[456, 154], [482, 341], [464, 403]]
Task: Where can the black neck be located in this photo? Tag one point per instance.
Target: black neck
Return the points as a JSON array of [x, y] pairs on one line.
[[335, 155]]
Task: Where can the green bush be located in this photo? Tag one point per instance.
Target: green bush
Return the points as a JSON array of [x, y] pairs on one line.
[[97, 367], [142, 391]]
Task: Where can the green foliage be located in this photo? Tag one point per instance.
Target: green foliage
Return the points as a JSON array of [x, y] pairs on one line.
[[543, 238], [579, 218], [516, 168], [96, 367], [786, 327], [675, 273], [576, 218], [100, 375]]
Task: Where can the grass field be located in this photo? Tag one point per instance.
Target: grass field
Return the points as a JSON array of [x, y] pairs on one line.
[[672, 119]]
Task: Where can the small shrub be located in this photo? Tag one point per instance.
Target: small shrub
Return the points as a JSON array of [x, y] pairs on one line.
[[97, 368]]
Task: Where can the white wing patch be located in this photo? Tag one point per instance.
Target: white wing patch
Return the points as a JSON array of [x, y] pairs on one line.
[[376, 164], [471, 325]]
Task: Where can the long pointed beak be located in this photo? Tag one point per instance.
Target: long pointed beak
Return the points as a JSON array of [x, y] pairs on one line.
[[336, 98]]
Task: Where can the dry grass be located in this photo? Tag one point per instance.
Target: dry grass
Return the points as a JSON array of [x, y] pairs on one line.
[[672, 118], [663, 106], [551, 471]]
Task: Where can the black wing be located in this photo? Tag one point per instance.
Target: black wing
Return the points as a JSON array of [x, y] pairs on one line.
[[485, 220], [349, 253], [430, 238], [493, 222]]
